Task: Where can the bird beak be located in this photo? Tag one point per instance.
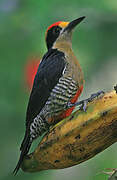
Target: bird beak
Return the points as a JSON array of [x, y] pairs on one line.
[[73, 24]]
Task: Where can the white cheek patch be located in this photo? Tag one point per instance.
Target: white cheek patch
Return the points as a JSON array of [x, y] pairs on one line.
[[64, 70]]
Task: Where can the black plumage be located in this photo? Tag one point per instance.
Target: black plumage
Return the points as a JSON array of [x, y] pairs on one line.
[[49, 72], [52, 35]]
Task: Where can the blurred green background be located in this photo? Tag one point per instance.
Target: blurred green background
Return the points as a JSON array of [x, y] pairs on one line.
[[22, 29]]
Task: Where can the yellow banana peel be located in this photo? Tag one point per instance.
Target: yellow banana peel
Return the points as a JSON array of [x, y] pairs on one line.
[[78, 137]]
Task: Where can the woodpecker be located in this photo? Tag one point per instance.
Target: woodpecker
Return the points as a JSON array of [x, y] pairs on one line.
[[58, 82]]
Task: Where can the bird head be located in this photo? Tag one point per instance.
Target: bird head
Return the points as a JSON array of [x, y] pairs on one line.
[[61, 32]]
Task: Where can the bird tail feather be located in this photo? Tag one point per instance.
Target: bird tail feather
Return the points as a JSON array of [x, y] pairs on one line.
[[24, 150]]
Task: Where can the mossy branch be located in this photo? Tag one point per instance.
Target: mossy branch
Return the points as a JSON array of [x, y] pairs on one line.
[[78, 137]]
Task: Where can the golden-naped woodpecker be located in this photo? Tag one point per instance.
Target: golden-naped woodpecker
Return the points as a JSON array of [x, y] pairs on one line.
[[58, 82]]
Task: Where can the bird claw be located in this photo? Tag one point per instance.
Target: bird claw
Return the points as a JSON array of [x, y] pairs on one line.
[[83, 103], [95, 95]]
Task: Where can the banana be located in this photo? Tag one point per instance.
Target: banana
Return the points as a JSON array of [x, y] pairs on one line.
[[78, 137]]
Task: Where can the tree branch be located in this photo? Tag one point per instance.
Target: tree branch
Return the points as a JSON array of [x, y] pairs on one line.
[[78, 137]]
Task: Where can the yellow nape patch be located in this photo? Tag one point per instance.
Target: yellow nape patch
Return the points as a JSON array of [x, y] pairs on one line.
[[63, 24]]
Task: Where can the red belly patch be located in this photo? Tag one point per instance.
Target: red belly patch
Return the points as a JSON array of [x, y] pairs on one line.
[[73, 100]]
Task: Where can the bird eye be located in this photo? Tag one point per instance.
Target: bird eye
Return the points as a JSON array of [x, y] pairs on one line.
[[56, 30]]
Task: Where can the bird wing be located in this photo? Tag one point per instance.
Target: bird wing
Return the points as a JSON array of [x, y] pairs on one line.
[[48, 74]]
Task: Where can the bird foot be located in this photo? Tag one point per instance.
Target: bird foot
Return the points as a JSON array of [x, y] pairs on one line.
[[91, 98], [95, 95], [83, 104]]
